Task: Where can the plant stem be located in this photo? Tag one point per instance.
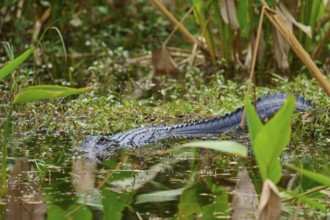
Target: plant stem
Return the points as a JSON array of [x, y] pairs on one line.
[[174, 21], [286, 33], [311, 191], [253, 64], [3, 189]]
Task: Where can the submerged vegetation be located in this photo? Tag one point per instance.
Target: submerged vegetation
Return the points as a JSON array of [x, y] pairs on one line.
[[126, 64]]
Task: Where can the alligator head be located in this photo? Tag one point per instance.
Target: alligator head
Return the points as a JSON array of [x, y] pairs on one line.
[[98, 147]]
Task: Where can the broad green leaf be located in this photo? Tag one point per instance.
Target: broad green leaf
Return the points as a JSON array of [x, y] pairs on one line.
[[7, 69], [271, 139], [307, 163], [230, 147], [275, 171], [55, 212], [325, 180], [114, 204], [191, 201], [75, 212], [34, 93], [206, 199], [253, 121], [279, 127], [78, 212], [49, 87], [219, 207], [160, 196]]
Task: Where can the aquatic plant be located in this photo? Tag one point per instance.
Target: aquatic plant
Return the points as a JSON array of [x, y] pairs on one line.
[[31, 93]]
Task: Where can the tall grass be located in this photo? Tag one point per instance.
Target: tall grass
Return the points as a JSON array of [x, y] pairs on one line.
[[310, 13], [32, 93], [229, 29], [5, 71], [102, 26]]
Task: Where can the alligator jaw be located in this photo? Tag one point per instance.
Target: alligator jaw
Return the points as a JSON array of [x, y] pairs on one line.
[[98, 148]]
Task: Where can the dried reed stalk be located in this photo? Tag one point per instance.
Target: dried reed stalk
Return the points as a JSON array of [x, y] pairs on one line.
[[254, 58], [190, 38], [280, 25]]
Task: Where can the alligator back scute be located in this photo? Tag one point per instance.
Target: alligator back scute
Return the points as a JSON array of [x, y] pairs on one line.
[[302, 104]]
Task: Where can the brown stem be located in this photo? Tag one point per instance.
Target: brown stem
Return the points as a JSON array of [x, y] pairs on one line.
[[176, 27], [174, 21], [280, 25], [254, 58]]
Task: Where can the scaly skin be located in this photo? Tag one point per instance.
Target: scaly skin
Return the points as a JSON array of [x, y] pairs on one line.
[[103, 147]]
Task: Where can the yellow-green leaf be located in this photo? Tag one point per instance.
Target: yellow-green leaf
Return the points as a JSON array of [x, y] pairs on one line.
[[325, 180], [35, 93], [159, 196], [7, 69], [253, 121], [269, 140], [230, 147]]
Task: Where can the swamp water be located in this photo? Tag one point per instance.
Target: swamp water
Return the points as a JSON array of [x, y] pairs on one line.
[[45, 182]]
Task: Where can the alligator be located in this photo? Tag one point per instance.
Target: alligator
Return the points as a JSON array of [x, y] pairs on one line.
[[103, 147]]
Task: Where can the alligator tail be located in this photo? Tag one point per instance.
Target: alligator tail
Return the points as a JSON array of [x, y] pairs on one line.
[[266, 107]]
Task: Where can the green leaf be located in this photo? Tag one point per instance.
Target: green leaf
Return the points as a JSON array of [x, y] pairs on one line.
[[9, 50], [253, 121], [7, 69], [79, 212], [54, 212], [34, 93], [199, 11], [230, 147], [114, 204], [312, 202], [243, 17], [219, 207], [325, 180], [275, 171], [75, 212], [160, 196], [270, 140], [279, 127], [190, 201]]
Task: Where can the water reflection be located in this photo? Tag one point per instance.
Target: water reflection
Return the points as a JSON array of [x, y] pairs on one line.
[[142, 184], [25, 199], [157, 186], [245, 201], [83, 175]]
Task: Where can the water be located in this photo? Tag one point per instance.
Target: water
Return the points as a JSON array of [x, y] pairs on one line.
[[44, 181]]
